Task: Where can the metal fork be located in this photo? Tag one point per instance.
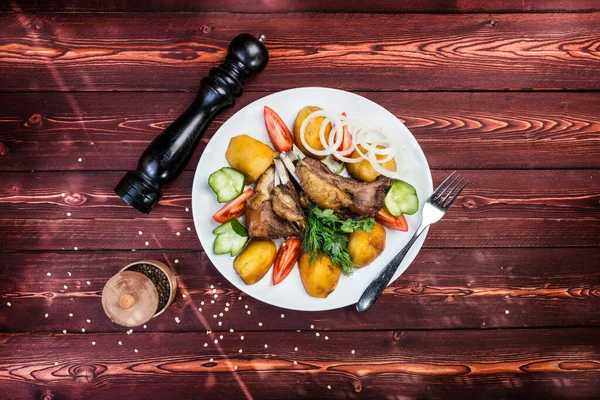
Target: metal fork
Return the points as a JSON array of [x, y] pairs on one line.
[[434, 209]]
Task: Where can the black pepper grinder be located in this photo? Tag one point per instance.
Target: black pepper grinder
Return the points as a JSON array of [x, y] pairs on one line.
[[166, 157]]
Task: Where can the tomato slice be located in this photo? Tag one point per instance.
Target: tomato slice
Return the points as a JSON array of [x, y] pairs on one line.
[[286, 258], [234, 208], [346, 139], [384, 217], [278, 131]]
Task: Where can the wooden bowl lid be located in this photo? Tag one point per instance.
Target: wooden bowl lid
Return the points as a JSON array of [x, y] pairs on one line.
[[129, 298]]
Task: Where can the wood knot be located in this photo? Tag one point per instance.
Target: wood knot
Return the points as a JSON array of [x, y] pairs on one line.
[[75, 199], [491, 22], [398, 335], [416, 287], [207, 28], [35, 119], [3, 150], [357, 384], [469, 203], [84, 374], [38, 24]]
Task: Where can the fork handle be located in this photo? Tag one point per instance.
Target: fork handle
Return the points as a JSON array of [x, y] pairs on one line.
[[375, 288]]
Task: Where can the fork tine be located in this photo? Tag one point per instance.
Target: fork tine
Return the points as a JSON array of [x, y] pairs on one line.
[[447, 206], [445, 191], [442, 200], [441, 186]]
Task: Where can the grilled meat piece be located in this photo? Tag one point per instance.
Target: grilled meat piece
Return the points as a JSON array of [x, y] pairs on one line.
[[329, 190], [286, 204], [261, 219]]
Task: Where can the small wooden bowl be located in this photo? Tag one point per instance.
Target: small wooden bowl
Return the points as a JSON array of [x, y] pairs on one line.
[[170, 277]]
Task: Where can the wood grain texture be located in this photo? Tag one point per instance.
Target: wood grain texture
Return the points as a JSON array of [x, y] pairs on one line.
[[399, 6], [492, 364], [568, 194], [89, 52], [442, 289], [109, 131]]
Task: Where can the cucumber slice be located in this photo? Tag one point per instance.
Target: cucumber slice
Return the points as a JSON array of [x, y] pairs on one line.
[[231, 238], [227, 183], [401, 199]]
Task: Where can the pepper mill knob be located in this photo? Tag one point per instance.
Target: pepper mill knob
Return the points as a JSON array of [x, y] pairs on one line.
[[168, 154]]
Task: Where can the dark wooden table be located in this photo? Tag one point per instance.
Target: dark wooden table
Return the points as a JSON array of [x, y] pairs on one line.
[[503, 300]]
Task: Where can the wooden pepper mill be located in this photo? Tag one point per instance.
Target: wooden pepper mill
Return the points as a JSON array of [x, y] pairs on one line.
[[139, 292], [166, 157]]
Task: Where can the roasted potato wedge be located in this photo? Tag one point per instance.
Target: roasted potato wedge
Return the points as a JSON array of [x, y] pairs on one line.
[[312, 131], [321, 278], [364, 171], [249, 156], [364, 247], [255, 260]]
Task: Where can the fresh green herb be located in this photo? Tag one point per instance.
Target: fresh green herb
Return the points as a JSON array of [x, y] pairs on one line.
[[328, 235]]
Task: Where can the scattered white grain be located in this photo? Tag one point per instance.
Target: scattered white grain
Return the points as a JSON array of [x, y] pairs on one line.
[[260, 324], [326, 337], [329, 387], [75, 248], [214, 290], [266, 346], [246, 306], [68, 273], [70, 314], [80, 159], [200, 309], [177, 320], [93, 343], [242, 337], [212, 286], [189, 229], [63, 194], [89, 283], [202, 303], [235, 367], [145, 326], [212, 302], [216, 341], [147, 244], [129, 332], [136, 350], [220, 323], [46, 315], [231, 330], [187, 209], [140, 233], [506, 312], [220, 314], [240, 351], [211, 359], [55, 362], [178, 233], [317, 334], [312, 327], [176, 261], [295, 349], [49, 273], [66, 287], [205, 344], [240, 298], [227, 304], [282, 315], [353, 352], [8, 303], [120, 343], [68, 214], [221, 337], [83, 330], [249, 312], [214, 315], [295, 362], [208, 332], [215, 296], [64, 331], [226, 309], [184, 295]]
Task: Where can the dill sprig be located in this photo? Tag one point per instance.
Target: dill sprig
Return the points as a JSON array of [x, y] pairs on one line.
[[328, 235]]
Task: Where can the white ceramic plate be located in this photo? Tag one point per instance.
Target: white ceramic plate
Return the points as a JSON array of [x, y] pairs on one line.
[[290, 293]]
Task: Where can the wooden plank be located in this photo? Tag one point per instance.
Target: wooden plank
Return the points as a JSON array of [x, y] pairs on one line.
[[107, 233], [491, 194], [557, 363], [399, 6], [109, 131], [442, 289], [90, 52]]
